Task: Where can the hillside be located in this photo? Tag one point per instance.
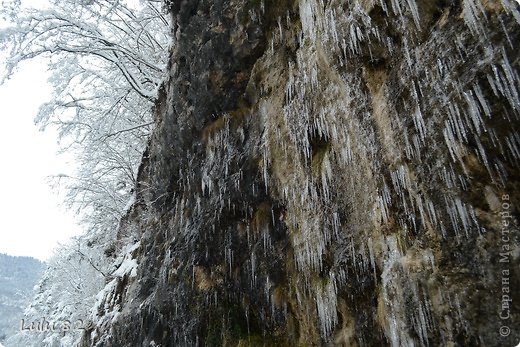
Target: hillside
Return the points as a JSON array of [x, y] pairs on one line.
[[18, 276]]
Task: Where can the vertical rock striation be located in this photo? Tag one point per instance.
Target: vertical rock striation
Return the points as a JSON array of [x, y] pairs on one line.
[[327, 173]]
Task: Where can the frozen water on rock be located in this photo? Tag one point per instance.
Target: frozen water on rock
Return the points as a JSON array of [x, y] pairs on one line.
[[363, 174], [345, 130]]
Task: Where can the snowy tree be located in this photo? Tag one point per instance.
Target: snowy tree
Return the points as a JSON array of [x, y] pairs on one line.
[[65, 293], [107, 59]]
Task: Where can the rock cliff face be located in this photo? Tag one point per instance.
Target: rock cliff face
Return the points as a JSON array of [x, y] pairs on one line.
[[328, 172]]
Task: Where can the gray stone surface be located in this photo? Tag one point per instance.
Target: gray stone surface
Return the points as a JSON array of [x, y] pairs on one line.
[[328, 173]]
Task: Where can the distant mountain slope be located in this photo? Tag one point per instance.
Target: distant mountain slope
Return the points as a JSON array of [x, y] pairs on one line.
[[18, 276]]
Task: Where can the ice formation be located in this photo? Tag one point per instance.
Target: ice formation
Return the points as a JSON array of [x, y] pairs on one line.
[[373, 127]]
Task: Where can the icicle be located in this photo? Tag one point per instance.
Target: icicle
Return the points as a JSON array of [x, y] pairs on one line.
[[472, 10], [415, 13], [372, 258], [474, 112], [511, 7], [513, 143], [482, 100], [419, 123], [511, 77], [326, 306], [482, 154], [280, 28]]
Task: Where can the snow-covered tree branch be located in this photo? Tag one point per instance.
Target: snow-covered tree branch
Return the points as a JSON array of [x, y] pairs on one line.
[[106, 60]]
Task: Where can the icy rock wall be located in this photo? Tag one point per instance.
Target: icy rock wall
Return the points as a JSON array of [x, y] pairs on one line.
[[328, 173]]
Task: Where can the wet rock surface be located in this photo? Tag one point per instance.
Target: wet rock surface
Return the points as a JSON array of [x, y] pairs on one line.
[[328, 173]]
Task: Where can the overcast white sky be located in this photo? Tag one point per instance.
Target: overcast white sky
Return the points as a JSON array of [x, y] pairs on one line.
[[31, 223]]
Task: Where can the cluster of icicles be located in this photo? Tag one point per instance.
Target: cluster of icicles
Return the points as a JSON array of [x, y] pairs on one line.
[[348, 173]]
